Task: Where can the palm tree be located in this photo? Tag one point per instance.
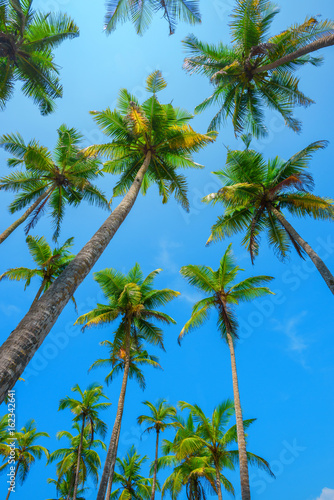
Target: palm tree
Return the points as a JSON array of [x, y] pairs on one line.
[[86, 410], [193, 469], [257, 71], [140, 13], [212, 436], [256, 193], [148, 144], [68, 457], [158, 422], [27, 39], [50, 264], [3, 434], [132, 299], [221, 293], [133, 485], [64, 488], [51, 180], [26, 452]]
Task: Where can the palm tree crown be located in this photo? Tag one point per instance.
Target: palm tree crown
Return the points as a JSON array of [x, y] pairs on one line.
[[160, 413], [50, 179], [140, 13], [160, 130], [257, 71], [27, 39]]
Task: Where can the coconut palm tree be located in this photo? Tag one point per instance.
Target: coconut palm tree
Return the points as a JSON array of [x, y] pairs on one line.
[[213, 436], [148, 144], [132, 299], [86, 411], [258, 71], [256, 192], [50, 180], [222, 292], [26, 451], [133, 485], [157, 422], [68, 457], [4, 434], [140, 13], [27, 40], [50, 264], [64, 489]]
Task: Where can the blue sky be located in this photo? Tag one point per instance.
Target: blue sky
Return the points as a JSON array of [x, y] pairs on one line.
[[285, 355]]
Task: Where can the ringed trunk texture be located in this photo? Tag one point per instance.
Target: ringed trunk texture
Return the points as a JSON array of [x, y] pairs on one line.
[[109, 465], [25, 216], [244, 476], [319, 264], [218, 484], [325, 41], [27, 337], [155, 466], [77, 472]]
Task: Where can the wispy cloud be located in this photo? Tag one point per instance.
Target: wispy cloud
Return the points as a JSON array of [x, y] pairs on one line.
[[165, 258], [326, 494], [297, 344], [9, 310]]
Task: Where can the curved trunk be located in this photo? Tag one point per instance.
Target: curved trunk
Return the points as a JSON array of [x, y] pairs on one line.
[[77, 472], [16, 471], [27, 337], [244, 476], [112, 470], [39, 293], [25, 216], [110, 462], [325, 41], [319, 264], [218, 484], [155, 466]]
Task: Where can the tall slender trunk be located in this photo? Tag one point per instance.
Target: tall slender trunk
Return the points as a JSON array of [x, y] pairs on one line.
[[319, 264], [77, 472], [244, 476], [218, 483], [322, 42], [112, 470], [112, 450], [39, 293], [16, 471], [27, 337], [70, 488], [155, 466], [25, 216]]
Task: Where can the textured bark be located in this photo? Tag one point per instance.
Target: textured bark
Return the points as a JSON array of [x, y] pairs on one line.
[[325, 41], [39, 293], [77, 472], [155, 466], [319, 264], [27, 337], [112, 470], [244, 476], [110, 462], [218, 484], [25, 216]]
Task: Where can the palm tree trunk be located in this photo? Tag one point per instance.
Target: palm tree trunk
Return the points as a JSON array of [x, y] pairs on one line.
[[77, 472], [112, 470], [25, 216], [155, 466], [16, 471], [319, 264], [244, 476], [112, 450], [218, 484], [27, 337], [322, 42], [39, 293]]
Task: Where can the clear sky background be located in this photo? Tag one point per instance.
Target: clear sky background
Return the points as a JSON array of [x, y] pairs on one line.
[[285, 356]]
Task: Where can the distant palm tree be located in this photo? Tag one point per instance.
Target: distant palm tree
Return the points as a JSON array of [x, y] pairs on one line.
[[64, 489], [141, 12], [27, 39], [86, 410], [158, 422], [255, 194], [50, 264], [68, 457], [213, 437], [257, 71], [148, 144], [133, 486], [222, 293], [25, 452], [132, 299], [51, 180]]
